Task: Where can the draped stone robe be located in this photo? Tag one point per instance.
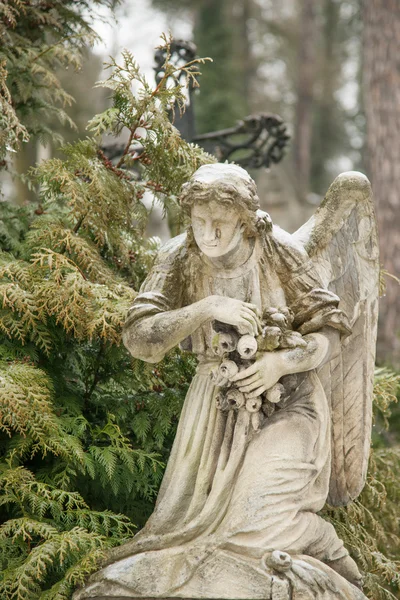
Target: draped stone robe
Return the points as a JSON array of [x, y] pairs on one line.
[[227, 490]]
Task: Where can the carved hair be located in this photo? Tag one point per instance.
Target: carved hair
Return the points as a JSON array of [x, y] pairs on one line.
[[227, 184]]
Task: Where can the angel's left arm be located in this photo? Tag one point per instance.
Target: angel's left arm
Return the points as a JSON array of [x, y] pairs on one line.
[[316, 316], [321, 346], [271, 366]]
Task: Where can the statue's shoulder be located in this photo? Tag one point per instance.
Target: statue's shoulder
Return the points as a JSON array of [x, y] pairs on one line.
[[286, 247], [173, 252]]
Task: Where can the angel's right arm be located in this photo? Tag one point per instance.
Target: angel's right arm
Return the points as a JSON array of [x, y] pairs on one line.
[[151, 337], [157, 321]]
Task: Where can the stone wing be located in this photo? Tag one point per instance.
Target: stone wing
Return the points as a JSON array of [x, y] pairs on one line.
[[341, 240]]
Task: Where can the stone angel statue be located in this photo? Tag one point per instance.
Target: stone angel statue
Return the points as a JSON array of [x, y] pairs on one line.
[[237, 512]]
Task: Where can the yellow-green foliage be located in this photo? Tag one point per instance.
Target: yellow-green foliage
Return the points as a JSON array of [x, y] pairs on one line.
[[37, 38], [84, 429], [11, 130], [53, 285], [145, 113]]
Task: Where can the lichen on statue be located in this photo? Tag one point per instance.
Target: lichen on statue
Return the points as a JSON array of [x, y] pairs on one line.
[[253, 462]]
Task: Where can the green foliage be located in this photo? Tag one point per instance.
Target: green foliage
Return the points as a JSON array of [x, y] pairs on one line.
[[11, 130], [85, 429], [51, 532], [370, 526], [223, 99], [14, 221], [385, 388], [146, 115], [37, 39]]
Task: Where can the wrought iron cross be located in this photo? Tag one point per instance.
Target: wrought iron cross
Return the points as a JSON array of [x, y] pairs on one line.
[[256, 141]]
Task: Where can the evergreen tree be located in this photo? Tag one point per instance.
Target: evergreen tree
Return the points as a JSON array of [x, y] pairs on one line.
[[37, 38], [85, 429], [40, 40], [222, 101]]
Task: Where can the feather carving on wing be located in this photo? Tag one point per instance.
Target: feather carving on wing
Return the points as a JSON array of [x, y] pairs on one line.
[[341, 240]]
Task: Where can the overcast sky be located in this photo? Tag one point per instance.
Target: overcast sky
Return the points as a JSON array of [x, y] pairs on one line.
[[138, 28]]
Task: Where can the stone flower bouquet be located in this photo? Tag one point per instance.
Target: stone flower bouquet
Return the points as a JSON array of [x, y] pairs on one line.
[[238, 352]]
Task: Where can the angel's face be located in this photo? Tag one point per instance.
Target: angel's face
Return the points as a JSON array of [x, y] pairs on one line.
[[217, 227]]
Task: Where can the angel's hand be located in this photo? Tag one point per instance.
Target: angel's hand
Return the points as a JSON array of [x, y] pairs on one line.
[[242, 315], [261, 375], [271, 366]]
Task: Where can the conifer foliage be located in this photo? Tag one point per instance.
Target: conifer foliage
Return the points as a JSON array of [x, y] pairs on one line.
[[38, 37], [85, 430]]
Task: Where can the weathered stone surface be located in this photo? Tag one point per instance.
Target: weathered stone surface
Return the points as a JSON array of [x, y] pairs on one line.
[[284, 330]]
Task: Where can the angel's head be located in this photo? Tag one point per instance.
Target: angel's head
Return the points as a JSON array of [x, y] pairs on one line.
[[222, 201]]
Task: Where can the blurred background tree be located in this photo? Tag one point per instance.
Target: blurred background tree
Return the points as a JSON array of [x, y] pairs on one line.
[[330, 69], [381, 79]]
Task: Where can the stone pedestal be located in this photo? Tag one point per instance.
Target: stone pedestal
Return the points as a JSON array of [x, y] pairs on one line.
[[225, 576]]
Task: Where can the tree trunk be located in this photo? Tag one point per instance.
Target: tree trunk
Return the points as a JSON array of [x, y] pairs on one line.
[[305, 94], [381, 74], [220, 102], [325, 124], [244, 55]]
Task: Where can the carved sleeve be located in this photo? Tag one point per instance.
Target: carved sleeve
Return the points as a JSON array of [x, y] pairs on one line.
[[162, 289], [313, 306]]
